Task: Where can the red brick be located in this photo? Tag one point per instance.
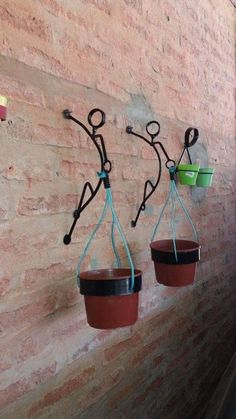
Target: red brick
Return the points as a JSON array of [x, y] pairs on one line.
[[158, 360], [27, 349], [103, 5], [155, 384], [53, 7], [45, 134], [47, 63], [21, 92], [13, 392], [52, 204], [4, 284], [24, 245], [19, 388], [146, 351], [33, 277], [25, 22], [64, 390], [74, 169], [162, 317], [121, 347], [27, 314]]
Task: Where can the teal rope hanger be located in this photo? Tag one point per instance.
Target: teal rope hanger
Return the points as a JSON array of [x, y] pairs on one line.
[[173, 195], [115, 223], [117, 256]]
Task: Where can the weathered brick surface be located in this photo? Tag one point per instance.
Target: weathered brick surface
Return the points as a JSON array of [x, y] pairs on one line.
[[138, 60]]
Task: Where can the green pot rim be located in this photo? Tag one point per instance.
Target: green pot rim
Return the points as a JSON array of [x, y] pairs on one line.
[[188, 168], [206, 171]]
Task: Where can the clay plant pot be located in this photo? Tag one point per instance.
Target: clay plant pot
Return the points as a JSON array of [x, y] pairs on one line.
[[204, 177], [187, 174], [3, 108], [109, 302], [169, 271]]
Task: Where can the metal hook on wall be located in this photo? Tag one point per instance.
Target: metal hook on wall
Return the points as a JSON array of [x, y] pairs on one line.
[[190, 138], [153, 130], [106, 165]]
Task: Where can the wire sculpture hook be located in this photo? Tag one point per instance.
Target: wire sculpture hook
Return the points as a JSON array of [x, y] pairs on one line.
[[106, 165], [153, 130], [190, 138]]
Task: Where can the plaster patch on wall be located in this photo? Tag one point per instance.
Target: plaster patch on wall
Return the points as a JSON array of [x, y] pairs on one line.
[[140, 109]]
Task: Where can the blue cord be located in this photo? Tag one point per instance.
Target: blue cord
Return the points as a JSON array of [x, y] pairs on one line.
[[187, 214], [117, 256], [173, 217], [122, 236], [160, 217], [89, 241], [115, 223], [173, 194]]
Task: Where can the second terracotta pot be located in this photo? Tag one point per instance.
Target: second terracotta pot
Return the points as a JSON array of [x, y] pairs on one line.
[[169, 271]]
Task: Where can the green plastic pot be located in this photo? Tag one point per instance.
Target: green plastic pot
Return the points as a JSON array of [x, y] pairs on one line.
[[204, 177], [187, 173]]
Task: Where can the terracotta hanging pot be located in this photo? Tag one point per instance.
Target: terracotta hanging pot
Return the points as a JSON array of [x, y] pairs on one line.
[[109, 300], [169, 271]]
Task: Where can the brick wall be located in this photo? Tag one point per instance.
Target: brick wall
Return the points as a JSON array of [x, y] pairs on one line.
[[137, 60]]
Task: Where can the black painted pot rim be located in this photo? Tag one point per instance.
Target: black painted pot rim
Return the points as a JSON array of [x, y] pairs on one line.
[[160, 243], [187, 251], [109, 282]]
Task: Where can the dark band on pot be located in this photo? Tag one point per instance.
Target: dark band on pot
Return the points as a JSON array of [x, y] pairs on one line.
[[168, 258], [110, 287]]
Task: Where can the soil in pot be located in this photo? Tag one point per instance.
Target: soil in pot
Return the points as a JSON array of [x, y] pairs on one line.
[[169, 271], [109, 301]]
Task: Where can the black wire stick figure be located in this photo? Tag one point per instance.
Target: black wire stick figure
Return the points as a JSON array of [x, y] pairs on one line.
[[153, 130], [106, 166]]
